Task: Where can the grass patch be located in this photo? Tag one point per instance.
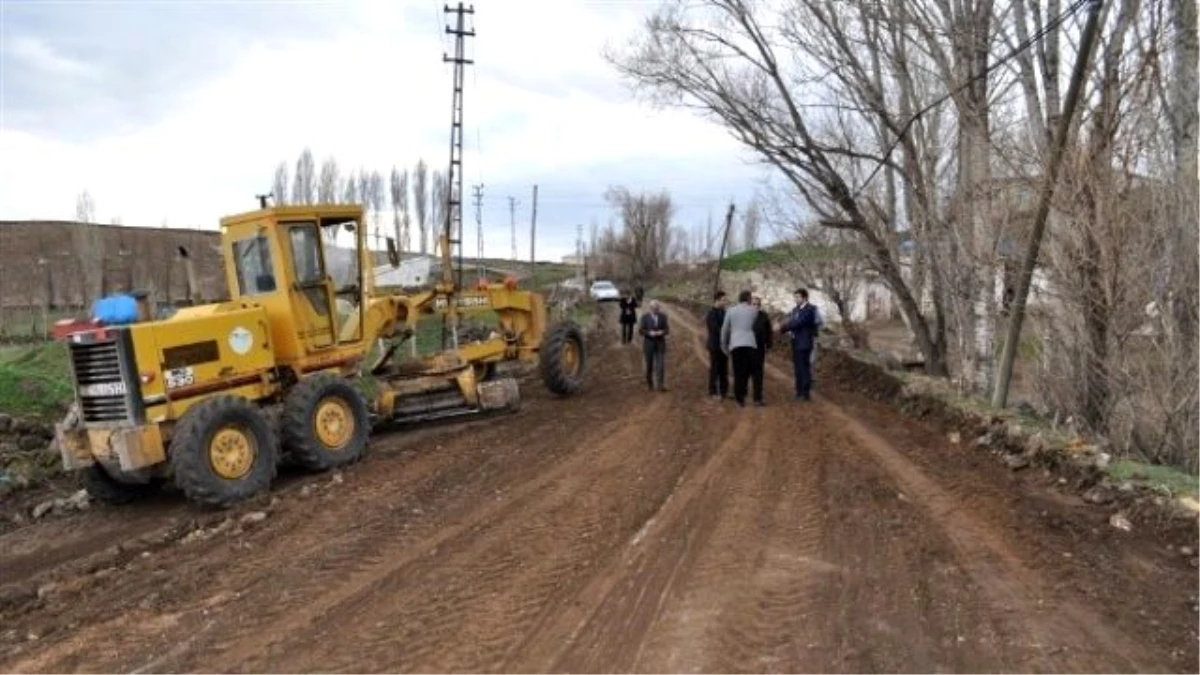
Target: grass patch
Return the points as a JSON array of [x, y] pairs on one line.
[[35, 380], [785, 253], [1155, 476]]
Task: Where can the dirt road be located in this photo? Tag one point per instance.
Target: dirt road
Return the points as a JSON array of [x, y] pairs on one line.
[[623, 530]]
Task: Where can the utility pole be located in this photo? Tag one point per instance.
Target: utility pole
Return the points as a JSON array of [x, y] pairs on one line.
[[452, 228], [721, 255], [533, 242], [478, 191], [1025, 277], [453, 225], [512, 216]]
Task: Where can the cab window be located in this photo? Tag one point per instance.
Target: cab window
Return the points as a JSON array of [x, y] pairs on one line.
[[306, 254], [255, 274]]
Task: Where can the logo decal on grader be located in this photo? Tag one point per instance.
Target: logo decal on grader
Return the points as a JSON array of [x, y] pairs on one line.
[[241, 341]]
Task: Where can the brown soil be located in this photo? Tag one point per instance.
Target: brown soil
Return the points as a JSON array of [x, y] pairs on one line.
[[620, 530]]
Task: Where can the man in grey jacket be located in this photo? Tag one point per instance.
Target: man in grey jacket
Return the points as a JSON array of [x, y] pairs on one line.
[[738, 340]]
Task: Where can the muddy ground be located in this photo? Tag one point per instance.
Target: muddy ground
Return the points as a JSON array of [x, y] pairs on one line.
[[621, 530]]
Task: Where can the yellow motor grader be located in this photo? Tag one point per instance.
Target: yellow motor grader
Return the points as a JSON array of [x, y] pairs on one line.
[[214, 396]]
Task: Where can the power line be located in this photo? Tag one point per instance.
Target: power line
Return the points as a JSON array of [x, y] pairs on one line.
[[1013, 53]]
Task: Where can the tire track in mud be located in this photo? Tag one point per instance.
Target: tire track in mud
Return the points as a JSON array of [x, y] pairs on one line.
[[1047, 630], [611, 618], [1049, 633], [533, 559], [31, 551], [403, 563], [201, 560], [316, 547], [747, 601]]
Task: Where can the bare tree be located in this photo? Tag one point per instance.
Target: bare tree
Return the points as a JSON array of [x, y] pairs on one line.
[[377, 197], [719, 56], [438, 207], [327, 184], [350, 193], [399, 187], [645, 240], [85, 208], [87, 244], [363, 185], [420, 187], [279, 187], [751, 224], [304, 182]]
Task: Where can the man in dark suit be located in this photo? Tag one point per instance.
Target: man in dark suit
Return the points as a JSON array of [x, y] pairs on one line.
[[764, 339], [629, 305], [654, 330], [718, 362], [802, 324]]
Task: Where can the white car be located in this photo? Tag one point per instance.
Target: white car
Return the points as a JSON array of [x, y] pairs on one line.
[[604, 290]]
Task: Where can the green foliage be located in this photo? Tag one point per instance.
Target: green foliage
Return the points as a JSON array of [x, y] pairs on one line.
[[35, 380], [1164, 478], [786, 253]]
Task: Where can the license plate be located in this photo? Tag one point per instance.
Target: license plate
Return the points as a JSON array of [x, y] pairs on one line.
[[103, 389]]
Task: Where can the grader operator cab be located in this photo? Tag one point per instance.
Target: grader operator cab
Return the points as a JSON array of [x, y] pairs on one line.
[[213, 397]]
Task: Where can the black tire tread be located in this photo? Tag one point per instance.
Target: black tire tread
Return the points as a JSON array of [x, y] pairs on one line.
[[189, 456], [550, 358], [296, 422]]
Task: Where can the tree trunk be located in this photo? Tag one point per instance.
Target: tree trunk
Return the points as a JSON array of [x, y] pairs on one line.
[[1185, 90], [1096, 325]]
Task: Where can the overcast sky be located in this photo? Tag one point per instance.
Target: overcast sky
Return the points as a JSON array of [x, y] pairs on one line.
[[179, 111]]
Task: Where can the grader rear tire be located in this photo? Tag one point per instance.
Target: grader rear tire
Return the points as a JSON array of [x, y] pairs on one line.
[[562, 358], [223, 452], [325, 422]]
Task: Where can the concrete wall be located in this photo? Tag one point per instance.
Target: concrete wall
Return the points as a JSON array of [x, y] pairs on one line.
[[776, 290]]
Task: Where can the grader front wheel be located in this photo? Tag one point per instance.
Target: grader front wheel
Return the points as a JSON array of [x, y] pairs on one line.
[[325, 422], [223, 452], [562, 358]]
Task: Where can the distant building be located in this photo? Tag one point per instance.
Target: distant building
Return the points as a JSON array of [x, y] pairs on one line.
[[413, 272]]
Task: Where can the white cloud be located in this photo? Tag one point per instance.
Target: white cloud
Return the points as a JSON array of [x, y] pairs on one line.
[[540, 103], [36, 54]]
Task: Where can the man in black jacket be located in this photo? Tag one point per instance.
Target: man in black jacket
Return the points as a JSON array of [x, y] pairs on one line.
[[629, 305], [718, 362], [763, 335], [655, 329]]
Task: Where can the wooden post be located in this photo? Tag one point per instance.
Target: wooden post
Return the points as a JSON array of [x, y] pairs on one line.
[[721, 255]]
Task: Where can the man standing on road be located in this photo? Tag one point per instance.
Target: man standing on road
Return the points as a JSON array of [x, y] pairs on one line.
[[629, 305], [737, 340], [812, 361], [718, 363], [801, 323], [763, 339], [654, 330]]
